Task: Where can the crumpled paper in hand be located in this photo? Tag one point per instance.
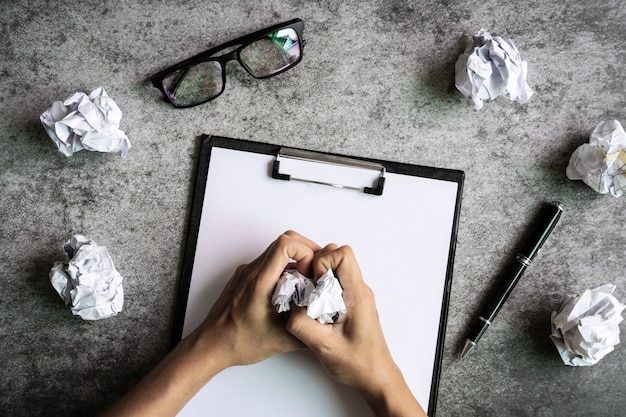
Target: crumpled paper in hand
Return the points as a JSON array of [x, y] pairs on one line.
[[86, 122], [600, 163], [492, 66], [89, 282], [324, 301], [586, 328]]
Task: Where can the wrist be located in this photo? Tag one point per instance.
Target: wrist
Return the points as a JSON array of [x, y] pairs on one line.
[[378, 390], [175, 380], [209, 352], [390, 396]]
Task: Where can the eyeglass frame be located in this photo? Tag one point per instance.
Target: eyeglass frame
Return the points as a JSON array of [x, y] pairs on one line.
[[243, 41]]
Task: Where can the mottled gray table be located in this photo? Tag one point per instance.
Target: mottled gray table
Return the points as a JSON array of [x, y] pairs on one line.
[[376, 81]]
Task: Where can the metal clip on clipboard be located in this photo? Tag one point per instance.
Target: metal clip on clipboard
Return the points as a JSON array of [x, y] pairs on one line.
[[308, 156]]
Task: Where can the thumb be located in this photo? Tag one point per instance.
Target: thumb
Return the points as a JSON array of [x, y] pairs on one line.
[[304, 328]]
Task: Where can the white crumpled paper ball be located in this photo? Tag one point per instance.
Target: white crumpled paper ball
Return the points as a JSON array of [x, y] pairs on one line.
[[600, 163], [292, 286], [491, 66], [586, 328], [324, 300], [86, 122], [89, 282]]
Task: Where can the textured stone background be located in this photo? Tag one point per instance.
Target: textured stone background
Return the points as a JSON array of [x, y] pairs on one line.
[[376, 81]]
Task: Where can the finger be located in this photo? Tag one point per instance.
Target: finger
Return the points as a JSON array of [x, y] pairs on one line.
[[288, 234], [343, 262], [297, 236], [304, 328], [320, 269], [280, 254], [303, 265]]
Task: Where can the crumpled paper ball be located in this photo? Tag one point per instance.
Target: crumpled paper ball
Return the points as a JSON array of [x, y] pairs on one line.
[[89, 282], [324, 301], [586, 328], [600, 163], [492, 66], [86, 122]]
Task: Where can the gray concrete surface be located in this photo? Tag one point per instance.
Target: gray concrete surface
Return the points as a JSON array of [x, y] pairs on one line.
[[376, 81]]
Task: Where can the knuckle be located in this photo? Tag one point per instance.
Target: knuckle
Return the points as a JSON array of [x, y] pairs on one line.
[[283, 239], [293, 325], [347, 250], [331, 247]]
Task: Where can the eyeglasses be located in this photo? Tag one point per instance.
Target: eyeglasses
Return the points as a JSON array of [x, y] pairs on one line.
[[262, 54]]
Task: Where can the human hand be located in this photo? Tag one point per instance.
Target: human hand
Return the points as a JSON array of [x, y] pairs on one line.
[[241, 328], [244, 328], [353, 349], [243, 321]]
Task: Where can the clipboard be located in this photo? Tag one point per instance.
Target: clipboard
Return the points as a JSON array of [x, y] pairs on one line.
[[401, 221]]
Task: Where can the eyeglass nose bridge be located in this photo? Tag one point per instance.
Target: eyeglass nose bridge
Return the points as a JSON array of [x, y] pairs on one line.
[[230, 56], [227, 57]]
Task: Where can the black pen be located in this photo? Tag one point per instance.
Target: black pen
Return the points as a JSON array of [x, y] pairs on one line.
[[547, 220]]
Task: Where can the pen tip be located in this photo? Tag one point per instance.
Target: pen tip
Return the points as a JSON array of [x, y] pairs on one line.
[[469, 345]]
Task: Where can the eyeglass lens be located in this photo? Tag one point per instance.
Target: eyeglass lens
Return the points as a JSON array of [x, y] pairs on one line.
[[267, 56], [271, 54], [195, 84]]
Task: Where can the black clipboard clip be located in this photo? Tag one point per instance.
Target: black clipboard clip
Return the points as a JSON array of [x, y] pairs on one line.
[[309, 156]]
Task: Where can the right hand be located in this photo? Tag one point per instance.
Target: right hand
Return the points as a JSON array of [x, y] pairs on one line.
[[353, 349]]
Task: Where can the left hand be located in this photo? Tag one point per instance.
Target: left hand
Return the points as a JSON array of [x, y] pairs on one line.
[[242, 328], [243, 321]]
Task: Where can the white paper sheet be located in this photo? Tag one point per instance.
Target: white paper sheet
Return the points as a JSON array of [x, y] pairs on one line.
[[408, 227], [86, 122], [586, 329], [89, 282], [490, 67], [601, 163]]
